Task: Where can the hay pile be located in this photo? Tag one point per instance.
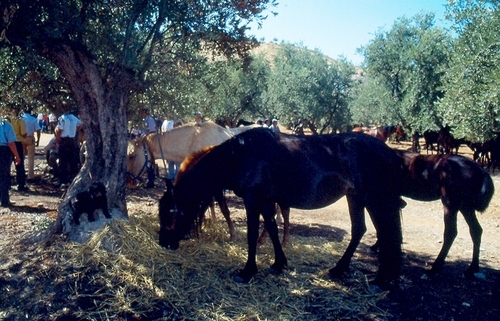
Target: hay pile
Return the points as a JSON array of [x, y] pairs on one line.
[[122, 270]]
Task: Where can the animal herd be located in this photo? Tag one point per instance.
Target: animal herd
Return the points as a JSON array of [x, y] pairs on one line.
[[308, 172]]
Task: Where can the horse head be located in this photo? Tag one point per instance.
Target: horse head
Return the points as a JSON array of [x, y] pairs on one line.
[[168, 213], [137, 159], [178, 217]]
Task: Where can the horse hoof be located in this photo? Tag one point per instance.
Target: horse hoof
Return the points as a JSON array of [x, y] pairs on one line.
[[241, 279], [470, 275], [336, 273], [277, 269], [384, 285]]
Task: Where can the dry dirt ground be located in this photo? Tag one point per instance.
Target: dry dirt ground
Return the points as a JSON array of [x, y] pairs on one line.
[[447, 297]]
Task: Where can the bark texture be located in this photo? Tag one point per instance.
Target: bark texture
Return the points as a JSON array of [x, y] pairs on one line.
[[102, 101]]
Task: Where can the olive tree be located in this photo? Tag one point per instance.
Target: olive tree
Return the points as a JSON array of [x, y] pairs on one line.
[[471, 105], [409, 61], [306, 86], [107, 52]]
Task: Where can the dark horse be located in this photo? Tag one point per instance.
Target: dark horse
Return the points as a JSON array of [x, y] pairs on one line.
[[461, 184], [307, 172]]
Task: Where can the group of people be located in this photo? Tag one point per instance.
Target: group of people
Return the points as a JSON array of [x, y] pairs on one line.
[[268, 124], [19, 135], [47, 123], [17, 139]]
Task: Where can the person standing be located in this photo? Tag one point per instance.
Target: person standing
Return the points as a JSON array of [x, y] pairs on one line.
[[198, 118], [39, 119], [274, 127], [19, 128], [7, 149], [173, 167], [66, 130], [52, 123], [150, 128], [29, 143], [167, 124], [149, 120]]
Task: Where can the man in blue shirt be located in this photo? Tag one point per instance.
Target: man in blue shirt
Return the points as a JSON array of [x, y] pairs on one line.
[[7, 149]]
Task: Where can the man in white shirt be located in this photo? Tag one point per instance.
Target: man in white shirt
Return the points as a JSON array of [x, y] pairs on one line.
[[69, 158], [167, 124]]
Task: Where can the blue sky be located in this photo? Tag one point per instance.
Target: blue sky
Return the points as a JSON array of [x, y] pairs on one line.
[[339, 27]]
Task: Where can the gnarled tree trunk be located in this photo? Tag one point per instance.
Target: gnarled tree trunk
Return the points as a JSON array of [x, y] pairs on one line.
[[102, 101]]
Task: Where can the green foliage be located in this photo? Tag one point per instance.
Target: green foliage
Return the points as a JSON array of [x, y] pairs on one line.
[[158, 41], [404, 69], [471, 105], [304, 86]]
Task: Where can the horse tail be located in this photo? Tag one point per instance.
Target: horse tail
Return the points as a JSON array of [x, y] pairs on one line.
[[482, 198]]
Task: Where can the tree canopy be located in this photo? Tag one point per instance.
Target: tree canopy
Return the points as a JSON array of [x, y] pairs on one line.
[[404, 67], [471, 104]]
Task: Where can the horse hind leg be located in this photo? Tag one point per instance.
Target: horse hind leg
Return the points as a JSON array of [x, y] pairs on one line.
[[476, 231], [450, 232], [285, 213]]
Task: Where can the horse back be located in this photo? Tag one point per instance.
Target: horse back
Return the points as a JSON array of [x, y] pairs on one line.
[[457, 180], [315, 171]]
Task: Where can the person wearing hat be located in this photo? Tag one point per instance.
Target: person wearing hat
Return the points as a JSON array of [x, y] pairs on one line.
[[274, 126], [7, 149], [149, 120], [198, 118]]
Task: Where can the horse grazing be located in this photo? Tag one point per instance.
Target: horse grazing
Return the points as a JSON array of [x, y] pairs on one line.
[[175, 145], [307, 172], [461, 184]]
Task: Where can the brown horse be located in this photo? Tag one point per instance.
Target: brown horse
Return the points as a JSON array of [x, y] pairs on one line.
[[265, 168], [461, 184], [382, 132]]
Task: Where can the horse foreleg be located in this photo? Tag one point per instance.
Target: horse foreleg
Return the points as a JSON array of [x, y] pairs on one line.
[[450, 232], [221, 200], [476, 231], [385, 215], [250, 269], [280, 261], [358, 229]]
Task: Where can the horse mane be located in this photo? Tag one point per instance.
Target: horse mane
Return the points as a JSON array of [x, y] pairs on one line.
[[190, 161]]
